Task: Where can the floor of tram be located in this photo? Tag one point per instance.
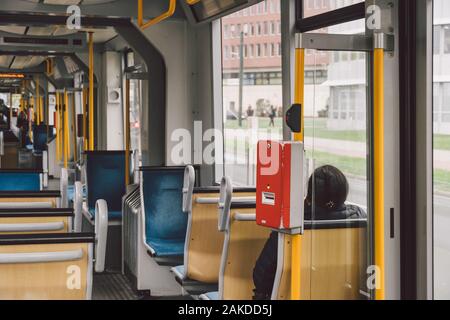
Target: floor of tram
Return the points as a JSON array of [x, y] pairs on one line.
[[115, 286], [112, 286]]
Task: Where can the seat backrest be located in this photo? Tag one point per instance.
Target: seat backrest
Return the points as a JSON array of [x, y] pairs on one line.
[[18, 221], [46, 266], [205, 241], [29, 199], [20, 180], [244, 241], [165, 222], [105, 178], [331, 268], [40, 135]]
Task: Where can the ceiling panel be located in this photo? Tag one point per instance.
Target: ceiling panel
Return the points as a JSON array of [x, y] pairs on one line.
[[13, 29], [23, 62], [41, 31], [5, 61]]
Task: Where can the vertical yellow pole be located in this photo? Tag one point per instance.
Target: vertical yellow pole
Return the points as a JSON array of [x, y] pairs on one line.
[[66, 129], [57, 125], [41, 109], [74, 129], [30, 121], [85, 141], [61, 121], [10, 109], [91, 91], [37, 101], [378, 95], [299, 98], [127, 131]]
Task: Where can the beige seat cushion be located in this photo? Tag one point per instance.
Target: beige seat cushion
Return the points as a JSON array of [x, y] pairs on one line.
[[247, 240], [44, 281], [332, 266]]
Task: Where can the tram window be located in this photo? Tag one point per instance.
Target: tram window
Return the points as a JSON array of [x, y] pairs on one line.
[[257, 113], [447, 39], [315, 7], [441, 128]]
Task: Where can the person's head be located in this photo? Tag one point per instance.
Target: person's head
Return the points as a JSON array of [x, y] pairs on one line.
[[2, 102], [330, 189]]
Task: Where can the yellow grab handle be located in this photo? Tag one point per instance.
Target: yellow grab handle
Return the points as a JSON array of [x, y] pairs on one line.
[[192, 2], [378, 99], [296, 249], [151, 22], [66, 130]]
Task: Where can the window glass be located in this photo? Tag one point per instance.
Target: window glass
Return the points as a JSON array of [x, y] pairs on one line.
[[252, 99], [315, 7], [441, 115]]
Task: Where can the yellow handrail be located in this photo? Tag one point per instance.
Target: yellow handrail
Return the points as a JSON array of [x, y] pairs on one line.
[[151, 22], [74, 129], [37, 101], [378, 101], [57, 126], [297, 239], [192, 2], [66, 129], [41, 109]]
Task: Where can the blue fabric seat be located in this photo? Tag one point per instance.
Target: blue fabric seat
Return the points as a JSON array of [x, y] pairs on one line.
[[105, 179], [112, 215], [39, 138], [178, 271], [71, 192], [165, 222], [210, 296], [20, 181]]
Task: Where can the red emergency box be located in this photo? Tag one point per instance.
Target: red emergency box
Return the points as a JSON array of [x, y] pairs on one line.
[[279, 186]]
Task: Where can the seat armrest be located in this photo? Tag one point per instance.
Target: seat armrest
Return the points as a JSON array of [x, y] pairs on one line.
[[101, 234]]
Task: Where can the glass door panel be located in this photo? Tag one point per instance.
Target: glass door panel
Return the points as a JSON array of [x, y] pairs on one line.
[[441, 127], [337, 135]]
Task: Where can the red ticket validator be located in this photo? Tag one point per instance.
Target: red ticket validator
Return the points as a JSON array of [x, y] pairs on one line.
[[279, 186]]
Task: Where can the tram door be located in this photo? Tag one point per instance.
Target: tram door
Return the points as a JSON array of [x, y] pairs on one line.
[[337, 146], [337, 245]]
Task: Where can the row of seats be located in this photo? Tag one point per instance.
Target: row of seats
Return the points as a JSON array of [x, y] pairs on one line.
[[209, 235], [41, 257], [223, 243]]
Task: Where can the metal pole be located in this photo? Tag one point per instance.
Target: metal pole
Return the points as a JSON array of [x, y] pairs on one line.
[[241, 76], [74, 129], [127, 132], [66, 129], [378, 101], [57, 125], [297, 239], [85, 140], [91, 91]]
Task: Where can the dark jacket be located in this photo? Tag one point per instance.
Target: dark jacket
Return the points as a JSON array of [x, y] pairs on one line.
[[266, 265]]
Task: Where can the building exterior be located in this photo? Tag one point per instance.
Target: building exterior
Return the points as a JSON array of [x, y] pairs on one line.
[[441, 60]]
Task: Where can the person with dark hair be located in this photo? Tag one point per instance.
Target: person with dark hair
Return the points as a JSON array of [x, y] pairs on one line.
[[272, 115], [4, 112], [327, 192]]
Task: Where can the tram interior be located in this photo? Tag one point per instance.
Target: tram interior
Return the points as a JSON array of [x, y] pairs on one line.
[[131, 137]]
